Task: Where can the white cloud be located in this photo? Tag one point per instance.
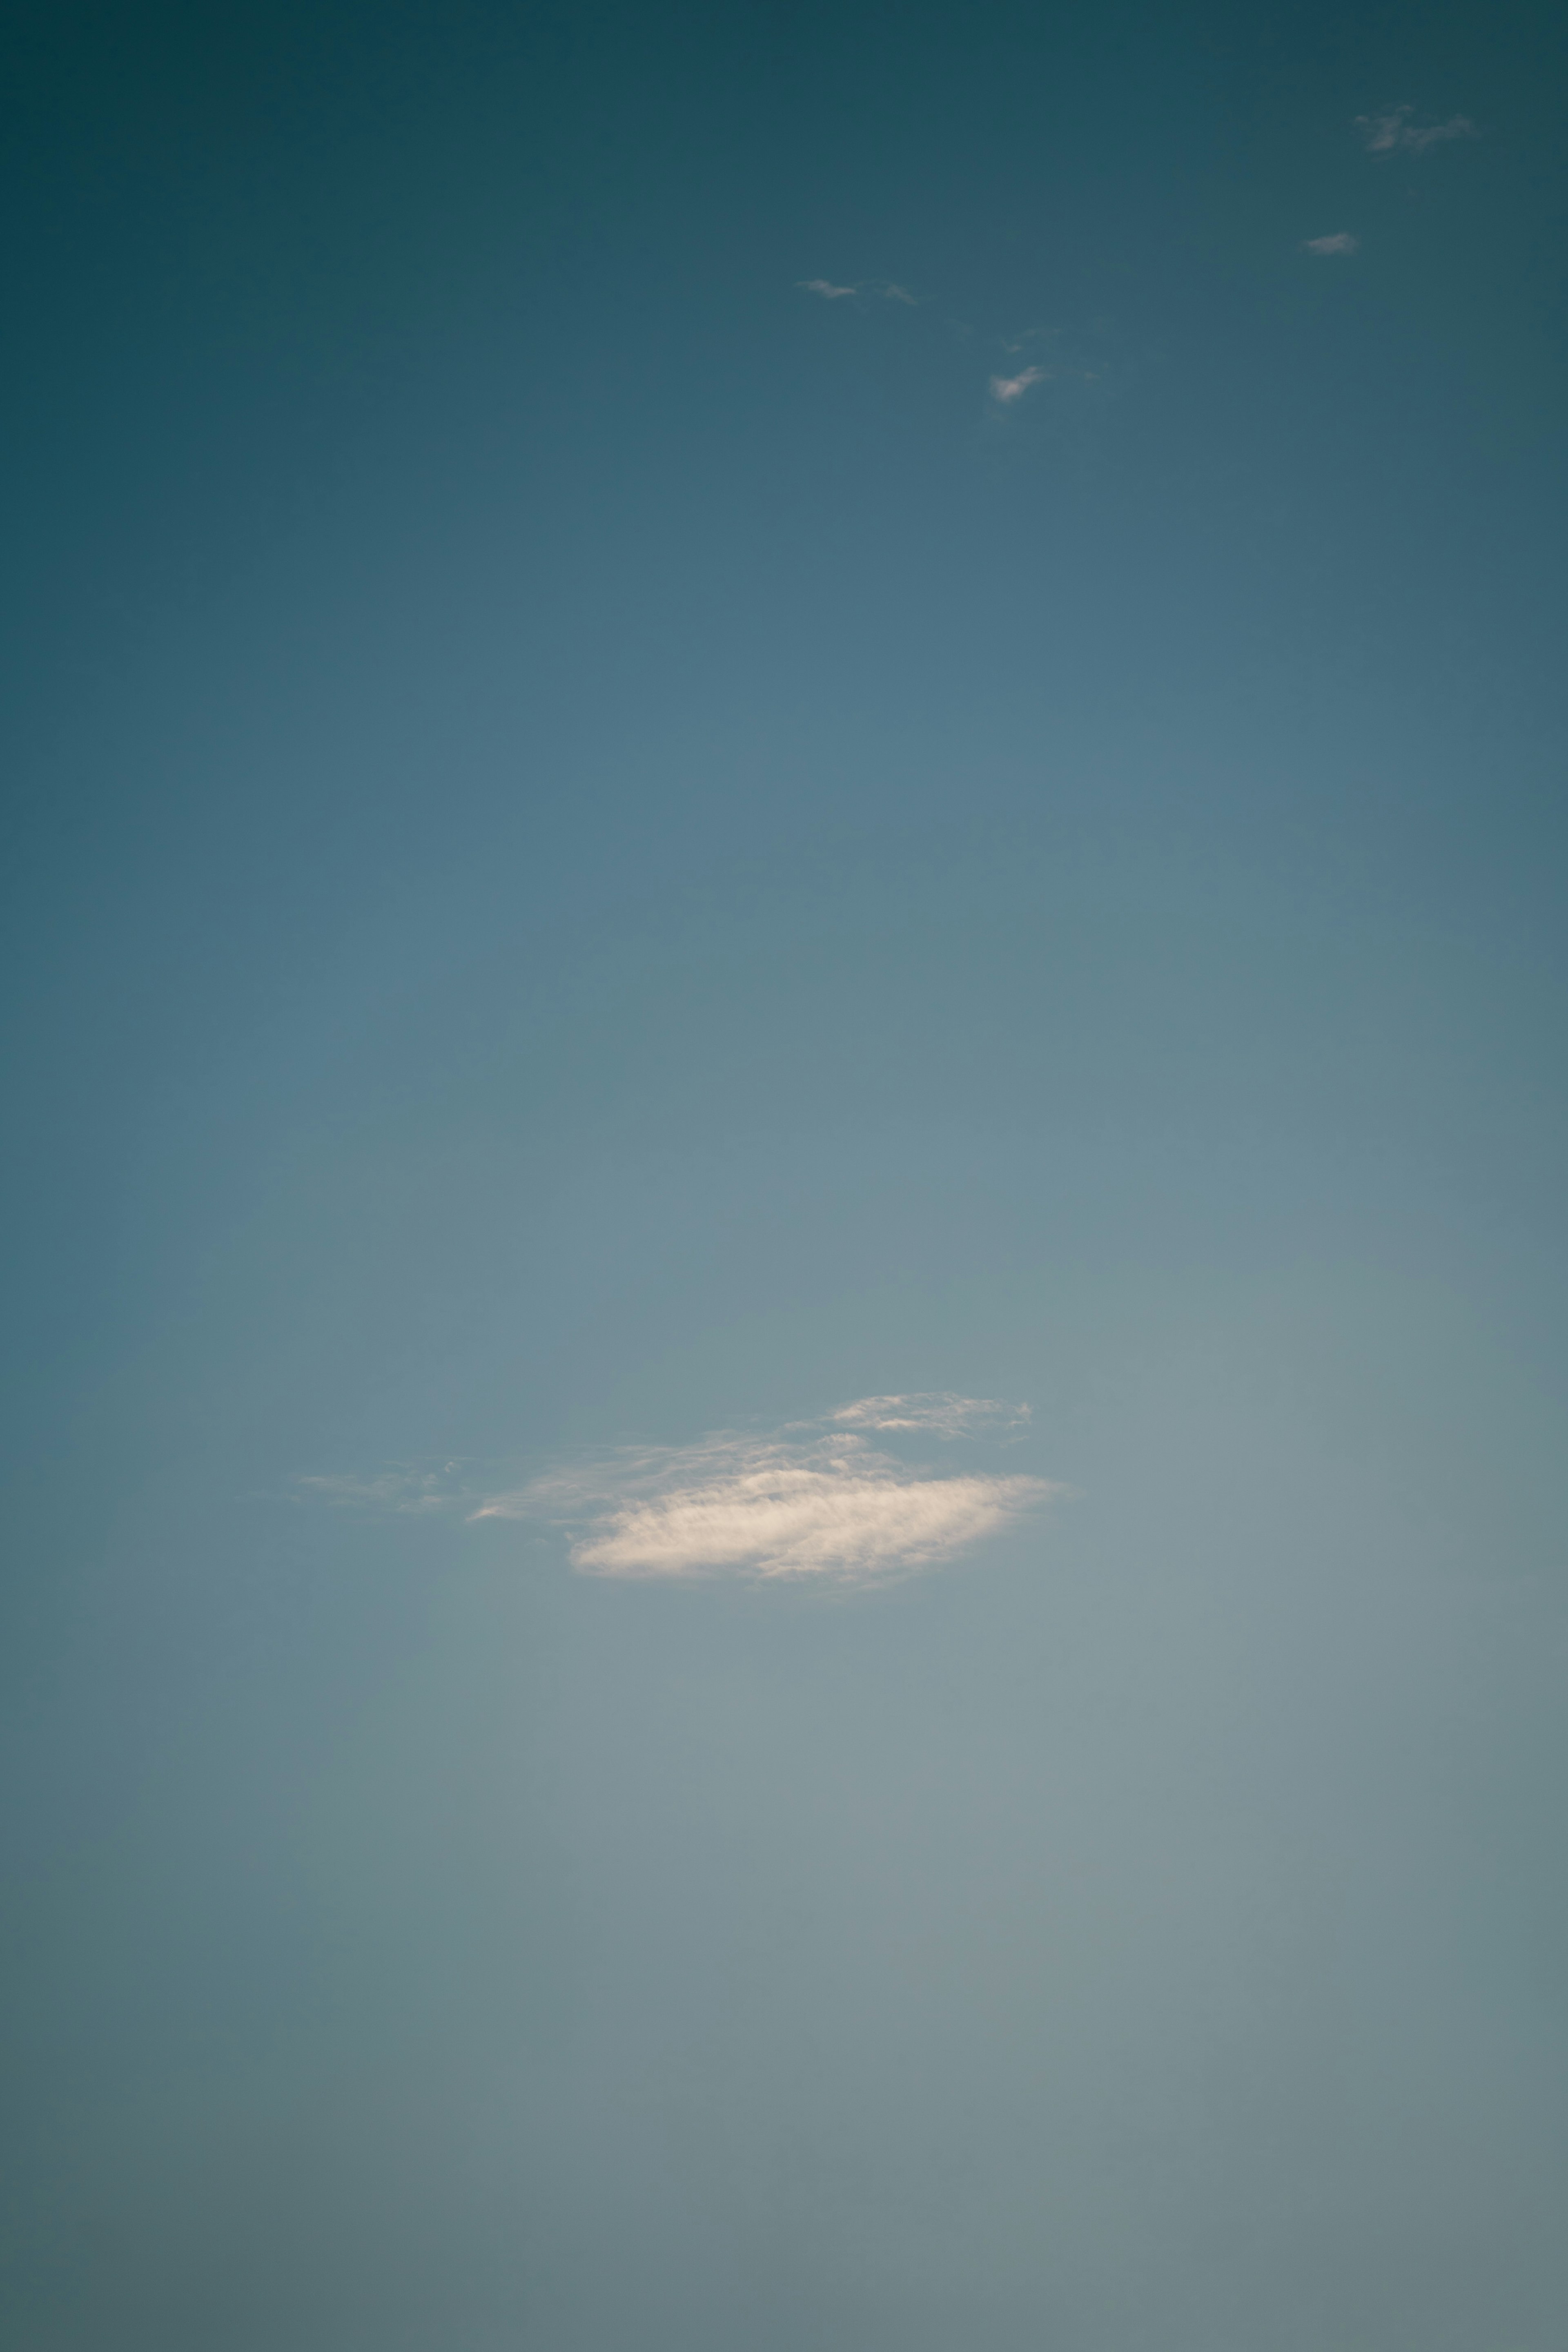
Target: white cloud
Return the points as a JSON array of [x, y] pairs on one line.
[[1006, 389], [883, 287], [946, 1415], [1394, 134], [796, 1503], [812, 1500], [1342, 241]]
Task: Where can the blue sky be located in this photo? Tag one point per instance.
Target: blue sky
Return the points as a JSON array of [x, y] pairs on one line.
[[787, 1345]]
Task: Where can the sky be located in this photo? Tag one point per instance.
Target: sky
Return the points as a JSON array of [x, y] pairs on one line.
[[786, 1331]]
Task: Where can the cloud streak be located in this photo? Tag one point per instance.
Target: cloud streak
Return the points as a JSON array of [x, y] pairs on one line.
[[1342, 241], [945, 1415], [1007, 390], [882, 288], [801, 1503], [850, 1498], [1393, 133]]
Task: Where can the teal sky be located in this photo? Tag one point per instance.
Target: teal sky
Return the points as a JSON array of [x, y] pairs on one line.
[[787, 1327]]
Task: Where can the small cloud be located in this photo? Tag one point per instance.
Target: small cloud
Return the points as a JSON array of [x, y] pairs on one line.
[[813, 1500], [1008, 389], [816, 1500], [883, 289], [1053, 356], [946, 1415], [1394, 134], [1342, 241]]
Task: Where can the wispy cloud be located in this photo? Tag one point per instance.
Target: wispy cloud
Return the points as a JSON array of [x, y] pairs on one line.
[[804, 1502], [1394, 134], [1008, 389], [881, 289], [945, 1415], [1054, 356], [1342, 241], [816, 1501]]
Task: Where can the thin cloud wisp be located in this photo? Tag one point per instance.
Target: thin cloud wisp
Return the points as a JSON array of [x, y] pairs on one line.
[[803, 1503], [1006, 390], [1393, 133], [945, 1415], [852, 1497], [883, 289]]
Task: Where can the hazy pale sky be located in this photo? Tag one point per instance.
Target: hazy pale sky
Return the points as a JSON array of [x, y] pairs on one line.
[[787, 1336]]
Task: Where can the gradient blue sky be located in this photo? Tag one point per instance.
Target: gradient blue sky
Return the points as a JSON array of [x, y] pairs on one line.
[[607, 853]]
